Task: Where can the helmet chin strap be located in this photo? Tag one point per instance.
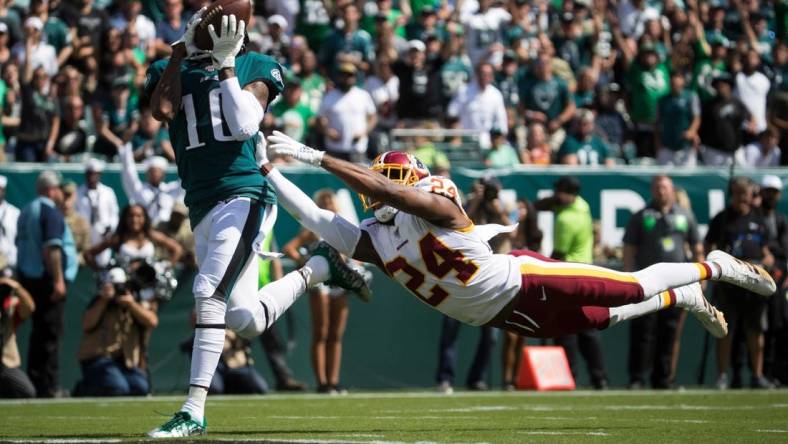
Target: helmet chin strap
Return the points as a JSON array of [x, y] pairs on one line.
[[385, 213]]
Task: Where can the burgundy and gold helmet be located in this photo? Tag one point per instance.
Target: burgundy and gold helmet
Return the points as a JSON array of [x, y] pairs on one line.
[[399, 167]]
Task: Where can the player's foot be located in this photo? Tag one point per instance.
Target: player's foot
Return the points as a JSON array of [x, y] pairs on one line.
[[743, 274], [445, 388], [712, 319], [291, 385], [181, 425], [342, 274]]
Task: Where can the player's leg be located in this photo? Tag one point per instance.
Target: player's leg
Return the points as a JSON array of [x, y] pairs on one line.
[[337, 322], [318, 305], [219, 244], [622, 287]]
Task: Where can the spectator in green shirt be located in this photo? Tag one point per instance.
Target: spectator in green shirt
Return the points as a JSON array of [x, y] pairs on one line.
[[678, 121], [349, 40], [647, 80], [573, 241], [546, 99], [583, 147], [426, 151], [313, 85], [501, 154], [292, 116]]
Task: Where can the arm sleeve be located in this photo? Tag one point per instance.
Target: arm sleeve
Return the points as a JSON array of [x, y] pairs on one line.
[[713, 234], [52, 227], [632, 233], [693, 236], [501, 121], [564, 233], [240, 109], [333, 228], [114, 210], [132, 185], [152, 78]]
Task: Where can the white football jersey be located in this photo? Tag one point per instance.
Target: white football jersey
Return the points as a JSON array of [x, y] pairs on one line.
[[454, 271]]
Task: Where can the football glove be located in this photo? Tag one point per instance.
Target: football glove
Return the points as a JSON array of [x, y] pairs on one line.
[[260, 155], [283, 145], [188, 36], [228, 43]]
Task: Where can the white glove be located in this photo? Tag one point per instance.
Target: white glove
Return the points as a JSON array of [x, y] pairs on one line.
[[283, 145], [228, 43], [260, 155], [188, 36]]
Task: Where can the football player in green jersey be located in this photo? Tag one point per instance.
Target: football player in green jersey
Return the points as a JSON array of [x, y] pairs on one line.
[[214, 102]]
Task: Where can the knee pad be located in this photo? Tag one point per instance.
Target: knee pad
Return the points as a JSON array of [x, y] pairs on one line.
[[247, 321], [210, 311]]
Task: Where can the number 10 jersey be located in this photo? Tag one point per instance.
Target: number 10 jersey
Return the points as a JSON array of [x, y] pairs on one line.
[[212, 165], [454, 271]]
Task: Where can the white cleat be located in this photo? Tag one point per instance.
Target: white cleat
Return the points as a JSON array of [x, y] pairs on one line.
[[743, 274], [712, 319], [180, 426]]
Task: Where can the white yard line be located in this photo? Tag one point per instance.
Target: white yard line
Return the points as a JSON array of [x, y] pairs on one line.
[[395, 395]]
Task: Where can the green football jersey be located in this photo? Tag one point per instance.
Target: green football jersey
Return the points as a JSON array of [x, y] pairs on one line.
[[212, 165]]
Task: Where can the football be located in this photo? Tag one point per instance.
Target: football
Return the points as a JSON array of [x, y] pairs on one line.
[[241, 9]]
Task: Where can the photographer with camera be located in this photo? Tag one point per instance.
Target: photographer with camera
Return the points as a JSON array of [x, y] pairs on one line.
[[483, 207], [116, 330], [16, 305]]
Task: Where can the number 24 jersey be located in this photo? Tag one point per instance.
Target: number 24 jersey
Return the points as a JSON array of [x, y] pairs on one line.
[[454, 271]]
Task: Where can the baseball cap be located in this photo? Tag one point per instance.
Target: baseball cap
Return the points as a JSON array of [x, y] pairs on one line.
[[647, 47], [69, 187], [347, 68], [34, 22], [567, 184], [180, 208], [418, 45], [48, 179], [278, 20], [156, 162], [94, 166], [771, 181], [722, 77]]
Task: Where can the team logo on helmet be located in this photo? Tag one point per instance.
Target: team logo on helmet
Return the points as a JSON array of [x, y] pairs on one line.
[[402, 168]]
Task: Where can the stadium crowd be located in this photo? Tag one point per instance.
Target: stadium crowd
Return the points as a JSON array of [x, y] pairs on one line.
[[599, 82], [584, 82]]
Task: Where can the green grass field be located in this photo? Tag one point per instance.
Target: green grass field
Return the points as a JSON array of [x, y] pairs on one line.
[[495, 417]]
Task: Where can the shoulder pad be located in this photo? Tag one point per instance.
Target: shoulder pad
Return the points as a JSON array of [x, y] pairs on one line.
[[442, 186]]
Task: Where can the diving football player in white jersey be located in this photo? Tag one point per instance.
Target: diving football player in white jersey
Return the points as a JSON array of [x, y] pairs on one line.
[[421, 237]]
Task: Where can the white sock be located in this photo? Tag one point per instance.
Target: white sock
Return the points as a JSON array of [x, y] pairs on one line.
[[276, 297], [664, 276], [195, 403], [631, 311], [208, 345], [315, 271], [681, 297]]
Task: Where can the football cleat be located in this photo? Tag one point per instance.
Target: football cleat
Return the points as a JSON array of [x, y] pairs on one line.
[[743, 274], [342, 274], [712, 319], [181, 425]]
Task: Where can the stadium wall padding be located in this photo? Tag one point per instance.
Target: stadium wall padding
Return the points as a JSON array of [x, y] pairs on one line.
[[393, 341]]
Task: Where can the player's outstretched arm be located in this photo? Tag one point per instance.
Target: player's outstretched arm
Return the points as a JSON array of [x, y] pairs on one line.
[[340, 233], [243, 109], [436, 209], [166, 98]]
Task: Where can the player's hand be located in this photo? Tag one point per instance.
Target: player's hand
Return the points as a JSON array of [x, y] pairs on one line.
[[229, 41], [260, 148], [283, 145], [188, 36]]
